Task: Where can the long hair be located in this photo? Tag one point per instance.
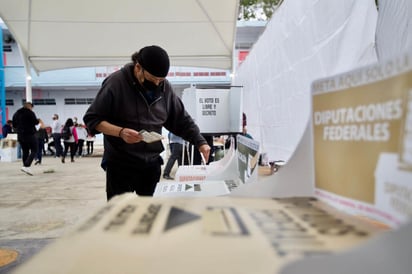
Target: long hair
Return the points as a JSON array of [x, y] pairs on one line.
[[69, 122]]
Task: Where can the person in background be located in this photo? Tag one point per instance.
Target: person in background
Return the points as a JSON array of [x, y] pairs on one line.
[[176, 150], [56, 134], [25, 121], [244, 127], [49, 142], [7, 128], [50, 147], [82, 136], [244, 132], [71, 142], [41, 135], [90, 141], [138, 97]]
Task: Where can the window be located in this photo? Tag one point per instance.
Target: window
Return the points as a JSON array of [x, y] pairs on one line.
[[78, 101], [38, 102], [7, 48], [9, 102]]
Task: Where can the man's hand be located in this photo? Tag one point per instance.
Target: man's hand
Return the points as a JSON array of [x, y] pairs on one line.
[[130, 136], [205, 151]]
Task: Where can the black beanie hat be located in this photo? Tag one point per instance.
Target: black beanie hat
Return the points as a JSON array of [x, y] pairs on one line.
[[154, 60]]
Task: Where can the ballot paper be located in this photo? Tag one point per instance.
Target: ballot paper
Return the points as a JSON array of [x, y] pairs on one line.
[[228, 235], [194, 188], [150, 137]]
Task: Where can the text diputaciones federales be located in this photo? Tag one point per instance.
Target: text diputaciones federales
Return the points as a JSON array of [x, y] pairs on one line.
[[359, 123]]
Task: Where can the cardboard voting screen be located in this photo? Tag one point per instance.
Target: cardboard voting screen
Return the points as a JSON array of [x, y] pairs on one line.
[[238, 166], [248, 157], [362, 126], [356, 151], [224, 169]]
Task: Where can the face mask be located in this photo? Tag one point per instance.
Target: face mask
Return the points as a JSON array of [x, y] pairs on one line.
[[149, 85]]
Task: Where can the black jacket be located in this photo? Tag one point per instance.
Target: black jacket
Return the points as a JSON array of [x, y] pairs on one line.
[[120, 101], [25, 121]]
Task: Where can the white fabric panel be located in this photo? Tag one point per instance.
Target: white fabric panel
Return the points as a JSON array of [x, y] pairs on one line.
[[304, 41], [292, 180], [394, 28], [75, 33]]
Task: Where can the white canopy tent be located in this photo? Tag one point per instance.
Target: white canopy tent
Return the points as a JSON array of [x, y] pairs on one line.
[[79, 33]]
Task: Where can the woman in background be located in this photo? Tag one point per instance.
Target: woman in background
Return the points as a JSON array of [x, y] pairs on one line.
[[71, 141]]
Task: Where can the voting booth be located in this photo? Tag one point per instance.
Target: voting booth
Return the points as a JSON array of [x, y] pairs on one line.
[[238, 166], [216, 112], [225, 168]]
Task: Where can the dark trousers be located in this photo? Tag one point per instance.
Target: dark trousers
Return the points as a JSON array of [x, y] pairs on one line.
[[72, 147], [176, 150], [40, 144], [29, 147], [80, 143], [141, 179], [58, 144]]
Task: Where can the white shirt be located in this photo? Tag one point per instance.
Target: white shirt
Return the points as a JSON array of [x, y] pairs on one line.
[[81, 133], [56, 126]]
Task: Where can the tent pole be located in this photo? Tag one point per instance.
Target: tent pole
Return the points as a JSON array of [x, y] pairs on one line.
[[29, 95], [2, 84]]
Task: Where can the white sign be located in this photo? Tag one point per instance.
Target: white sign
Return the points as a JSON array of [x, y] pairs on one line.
[[215, 110]]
